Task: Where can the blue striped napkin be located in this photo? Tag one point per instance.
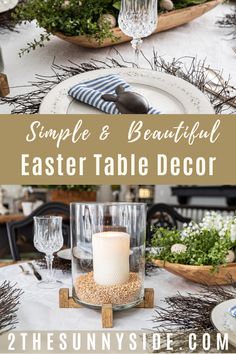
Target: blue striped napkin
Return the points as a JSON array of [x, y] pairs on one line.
[[90, 92]]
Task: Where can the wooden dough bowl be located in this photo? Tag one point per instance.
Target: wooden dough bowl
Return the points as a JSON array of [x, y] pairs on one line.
[[201, 274], [166, 21]]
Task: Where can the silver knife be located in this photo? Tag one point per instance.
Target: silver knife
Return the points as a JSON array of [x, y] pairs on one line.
[[36, 273]]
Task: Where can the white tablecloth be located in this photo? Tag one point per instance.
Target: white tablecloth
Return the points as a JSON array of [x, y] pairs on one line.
[[39, 309], [201, 37]]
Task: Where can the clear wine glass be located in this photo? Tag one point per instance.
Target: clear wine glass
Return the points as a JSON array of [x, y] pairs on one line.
[[48, 239], [138, 19]]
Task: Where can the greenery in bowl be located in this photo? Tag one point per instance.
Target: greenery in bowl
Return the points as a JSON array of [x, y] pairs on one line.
[[75, 187], [74, 17], [70, 17], [211, 242], [70, 187]]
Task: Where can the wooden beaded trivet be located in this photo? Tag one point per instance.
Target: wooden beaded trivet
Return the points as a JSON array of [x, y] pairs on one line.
[[65, 301]]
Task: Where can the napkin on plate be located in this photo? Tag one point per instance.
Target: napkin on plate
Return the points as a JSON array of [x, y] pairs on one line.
[[90, 92]]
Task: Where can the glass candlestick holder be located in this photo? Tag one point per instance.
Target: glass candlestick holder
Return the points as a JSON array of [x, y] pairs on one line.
[[108, 253]]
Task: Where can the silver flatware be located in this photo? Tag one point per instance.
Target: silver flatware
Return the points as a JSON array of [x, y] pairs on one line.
[[232, 311], [214, 78], [24, 271], [35, 272]]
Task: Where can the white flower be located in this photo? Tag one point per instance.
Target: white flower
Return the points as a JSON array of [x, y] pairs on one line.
[[233, 232], [218, 222], [213, 221], [222, 233]]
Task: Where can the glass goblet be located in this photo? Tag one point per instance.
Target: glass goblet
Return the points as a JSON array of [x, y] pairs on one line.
[[48, 239], [138, 19]]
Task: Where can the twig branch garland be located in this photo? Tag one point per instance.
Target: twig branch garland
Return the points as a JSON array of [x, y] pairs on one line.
[[191, 313], [229, 21], [221, 94], [6, 21], [9, 303]]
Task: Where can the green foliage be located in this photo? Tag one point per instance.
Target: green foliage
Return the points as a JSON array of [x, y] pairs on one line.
[[116, 5], [75, 187], [69, 187], [36, 43], [179, 4], [205, 247], [71, 17]]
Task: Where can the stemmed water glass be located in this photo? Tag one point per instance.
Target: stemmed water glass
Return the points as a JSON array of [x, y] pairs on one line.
[[138, 19], [48, 239]]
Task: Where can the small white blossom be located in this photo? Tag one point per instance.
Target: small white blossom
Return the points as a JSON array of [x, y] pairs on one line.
[[221, 223], [233, 232]]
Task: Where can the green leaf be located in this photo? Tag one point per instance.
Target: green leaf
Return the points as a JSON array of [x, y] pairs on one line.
[[116, 5]]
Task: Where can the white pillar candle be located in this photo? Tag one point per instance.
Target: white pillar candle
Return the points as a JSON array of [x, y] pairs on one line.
[[111, 257]]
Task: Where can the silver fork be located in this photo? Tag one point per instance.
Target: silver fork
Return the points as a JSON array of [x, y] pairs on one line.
[[232, 311]]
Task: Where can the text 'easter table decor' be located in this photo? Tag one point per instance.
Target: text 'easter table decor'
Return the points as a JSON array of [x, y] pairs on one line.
[[108, 258]]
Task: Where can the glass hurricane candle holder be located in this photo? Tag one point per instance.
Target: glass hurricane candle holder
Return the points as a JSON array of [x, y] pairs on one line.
[[108, 253]]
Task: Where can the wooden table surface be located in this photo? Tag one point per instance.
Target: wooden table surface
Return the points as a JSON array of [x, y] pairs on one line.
[[11, 217]]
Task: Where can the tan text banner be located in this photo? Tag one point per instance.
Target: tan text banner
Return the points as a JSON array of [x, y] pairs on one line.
[[102, 149]]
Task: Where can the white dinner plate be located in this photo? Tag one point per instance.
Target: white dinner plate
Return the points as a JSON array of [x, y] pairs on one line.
[[223, 321], [65, 254], [7, 5], [168, 93]]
